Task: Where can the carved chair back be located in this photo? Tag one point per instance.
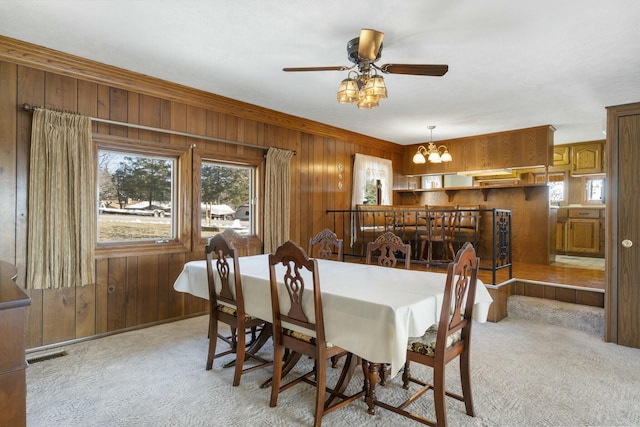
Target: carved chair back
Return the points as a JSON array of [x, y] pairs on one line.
[[327, 244], [388, 244]]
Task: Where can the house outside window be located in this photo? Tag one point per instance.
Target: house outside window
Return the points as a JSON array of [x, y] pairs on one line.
[[226, 198]]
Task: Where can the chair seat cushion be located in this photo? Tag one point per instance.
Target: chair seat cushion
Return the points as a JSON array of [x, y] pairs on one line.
[[230, 310], [302, 337], [426, 344]]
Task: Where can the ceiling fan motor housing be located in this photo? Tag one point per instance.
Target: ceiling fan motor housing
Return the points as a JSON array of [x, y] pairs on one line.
[[352, 51]]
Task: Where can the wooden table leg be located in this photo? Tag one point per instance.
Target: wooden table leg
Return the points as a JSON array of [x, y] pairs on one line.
[[371, 374]]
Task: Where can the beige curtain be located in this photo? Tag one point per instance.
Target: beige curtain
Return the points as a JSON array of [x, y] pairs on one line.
[[276, 198], [62, 201]]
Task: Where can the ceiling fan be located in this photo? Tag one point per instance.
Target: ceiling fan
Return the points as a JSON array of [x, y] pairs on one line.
[[364, 86]]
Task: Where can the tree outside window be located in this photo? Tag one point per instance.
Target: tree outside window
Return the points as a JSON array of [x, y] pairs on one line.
[[225, 198], [136, 195]]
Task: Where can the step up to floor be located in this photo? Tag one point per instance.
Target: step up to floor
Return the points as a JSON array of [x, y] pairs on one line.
[[576, 316]]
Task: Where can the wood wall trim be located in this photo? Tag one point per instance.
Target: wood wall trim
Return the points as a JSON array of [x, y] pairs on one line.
[[42, 58]]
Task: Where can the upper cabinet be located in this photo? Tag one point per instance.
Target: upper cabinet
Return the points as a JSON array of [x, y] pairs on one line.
[[531, 147], [561, 155], [587, 158]]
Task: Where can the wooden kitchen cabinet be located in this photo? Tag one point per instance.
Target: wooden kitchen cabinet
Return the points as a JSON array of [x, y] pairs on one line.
[[561, 230], [583, 231], [587, 158], [584, 235], [561, 155]]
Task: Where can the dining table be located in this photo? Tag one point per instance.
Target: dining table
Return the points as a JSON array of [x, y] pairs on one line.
[[369, 310]]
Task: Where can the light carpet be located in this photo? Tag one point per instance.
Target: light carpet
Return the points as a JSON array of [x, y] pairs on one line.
[[575, 316], [524, 373]]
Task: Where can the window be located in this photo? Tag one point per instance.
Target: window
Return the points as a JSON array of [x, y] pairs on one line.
[[593, 189], [136, 195], [557, 187], [371, 195], [368, 173], [226, 195]]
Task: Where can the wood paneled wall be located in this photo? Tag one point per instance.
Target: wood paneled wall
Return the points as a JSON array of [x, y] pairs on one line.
[[137, 289]]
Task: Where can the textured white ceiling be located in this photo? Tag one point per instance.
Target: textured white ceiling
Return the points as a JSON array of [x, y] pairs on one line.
[[512, 64]]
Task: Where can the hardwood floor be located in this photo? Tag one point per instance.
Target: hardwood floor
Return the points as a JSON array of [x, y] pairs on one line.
[[552, 274], [567, 272]]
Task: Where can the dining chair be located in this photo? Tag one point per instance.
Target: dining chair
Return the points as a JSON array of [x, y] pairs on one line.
[[289, 267], [388, 244], [444, 341], [241, 243], [226, 305], [441, 222], [466, 227], [327, 244]]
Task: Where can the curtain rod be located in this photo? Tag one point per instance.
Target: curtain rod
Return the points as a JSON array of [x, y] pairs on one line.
[[27, 107]]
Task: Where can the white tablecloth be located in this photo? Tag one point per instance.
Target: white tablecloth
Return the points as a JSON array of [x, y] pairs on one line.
[[368, 310]]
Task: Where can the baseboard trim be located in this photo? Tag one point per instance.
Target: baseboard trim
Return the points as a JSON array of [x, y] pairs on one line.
[[106, 334]]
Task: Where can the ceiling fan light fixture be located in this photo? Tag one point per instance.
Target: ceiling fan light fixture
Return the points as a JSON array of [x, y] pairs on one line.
[[364, 51], [348, 91], [375, 86], [367, 102]]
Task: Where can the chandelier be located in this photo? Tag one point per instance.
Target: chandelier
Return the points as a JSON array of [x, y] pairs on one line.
[[432, 152], [362, 88]]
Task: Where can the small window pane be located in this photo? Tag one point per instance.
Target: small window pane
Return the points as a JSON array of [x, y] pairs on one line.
[[594, 190], [370, 192], [556, 186], [225, 199], [135, 197], [556, 191]]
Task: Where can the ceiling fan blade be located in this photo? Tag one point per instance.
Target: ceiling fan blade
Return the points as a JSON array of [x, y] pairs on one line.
[[415, 69], [336, 68], [369, 44]]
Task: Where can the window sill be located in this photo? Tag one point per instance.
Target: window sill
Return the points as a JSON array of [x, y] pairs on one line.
[[111, 250]]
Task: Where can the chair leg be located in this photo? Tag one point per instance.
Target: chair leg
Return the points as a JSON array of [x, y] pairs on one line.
[[439, 397], [406, 375], [321, 385], [423, 244], [277, 374], [240, 353], [334, 361], [213, 339], [453, 252], [234, 338], [465, 380]]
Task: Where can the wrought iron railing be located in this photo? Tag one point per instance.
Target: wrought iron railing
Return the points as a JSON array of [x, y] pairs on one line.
[[490, 232]]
